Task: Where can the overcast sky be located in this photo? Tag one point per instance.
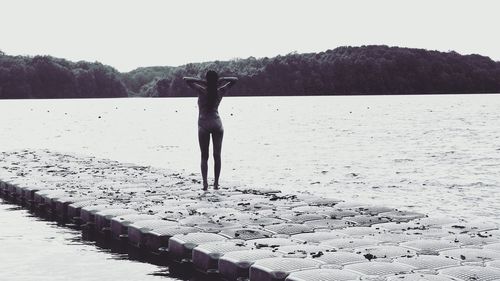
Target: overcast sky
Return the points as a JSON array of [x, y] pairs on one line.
[[128, 34]]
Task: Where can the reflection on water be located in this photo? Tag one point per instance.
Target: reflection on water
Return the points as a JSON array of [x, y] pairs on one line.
[[35, 250]]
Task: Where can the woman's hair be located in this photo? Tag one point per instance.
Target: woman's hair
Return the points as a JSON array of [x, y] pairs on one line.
[[212, 79]]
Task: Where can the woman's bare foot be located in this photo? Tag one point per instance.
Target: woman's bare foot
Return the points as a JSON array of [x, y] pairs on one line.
[[205, 185], [216, 186]]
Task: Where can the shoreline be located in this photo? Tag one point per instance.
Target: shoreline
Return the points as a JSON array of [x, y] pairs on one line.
[[271, 96]]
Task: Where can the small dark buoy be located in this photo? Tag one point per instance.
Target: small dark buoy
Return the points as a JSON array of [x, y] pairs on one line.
[[99, 117], [370, 256], [231, 114], [317, 255]]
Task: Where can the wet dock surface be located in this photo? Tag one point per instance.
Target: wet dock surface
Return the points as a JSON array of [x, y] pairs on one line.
[[245, 233]]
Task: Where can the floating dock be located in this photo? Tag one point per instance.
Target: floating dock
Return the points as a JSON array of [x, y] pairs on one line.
[[238, 234]]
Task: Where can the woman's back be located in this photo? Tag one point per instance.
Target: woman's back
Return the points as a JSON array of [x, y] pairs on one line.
[[208, 108]]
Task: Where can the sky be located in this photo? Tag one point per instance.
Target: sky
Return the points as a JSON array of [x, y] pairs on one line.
[[129, 34]]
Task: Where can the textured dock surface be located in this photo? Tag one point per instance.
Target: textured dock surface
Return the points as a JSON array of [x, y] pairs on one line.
[[246, 233]]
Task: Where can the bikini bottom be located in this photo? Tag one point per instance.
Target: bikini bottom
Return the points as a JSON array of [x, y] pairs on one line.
[[210, 125]]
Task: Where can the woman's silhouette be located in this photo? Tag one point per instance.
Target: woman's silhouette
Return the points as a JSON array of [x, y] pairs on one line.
[[210, 92]]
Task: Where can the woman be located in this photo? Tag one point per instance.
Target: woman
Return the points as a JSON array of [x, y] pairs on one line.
[[209, 122]]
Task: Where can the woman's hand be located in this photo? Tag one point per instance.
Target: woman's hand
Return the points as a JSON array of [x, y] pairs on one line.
[[196, 84], [227, 82]]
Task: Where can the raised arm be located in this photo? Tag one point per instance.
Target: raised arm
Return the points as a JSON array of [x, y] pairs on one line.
[[227, 82], [197, 84]]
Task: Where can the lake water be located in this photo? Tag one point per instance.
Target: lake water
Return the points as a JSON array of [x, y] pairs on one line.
[[35, 250], [433, 154]]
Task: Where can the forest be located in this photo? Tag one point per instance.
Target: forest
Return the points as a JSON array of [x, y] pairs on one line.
[[45, 77], [365, 70]]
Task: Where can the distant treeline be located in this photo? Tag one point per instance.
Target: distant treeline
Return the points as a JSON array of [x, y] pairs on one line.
[[47, 77], [342, 71]]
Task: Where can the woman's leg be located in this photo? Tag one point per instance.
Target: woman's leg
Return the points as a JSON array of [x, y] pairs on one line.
[[204, 140], [217, 142]]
